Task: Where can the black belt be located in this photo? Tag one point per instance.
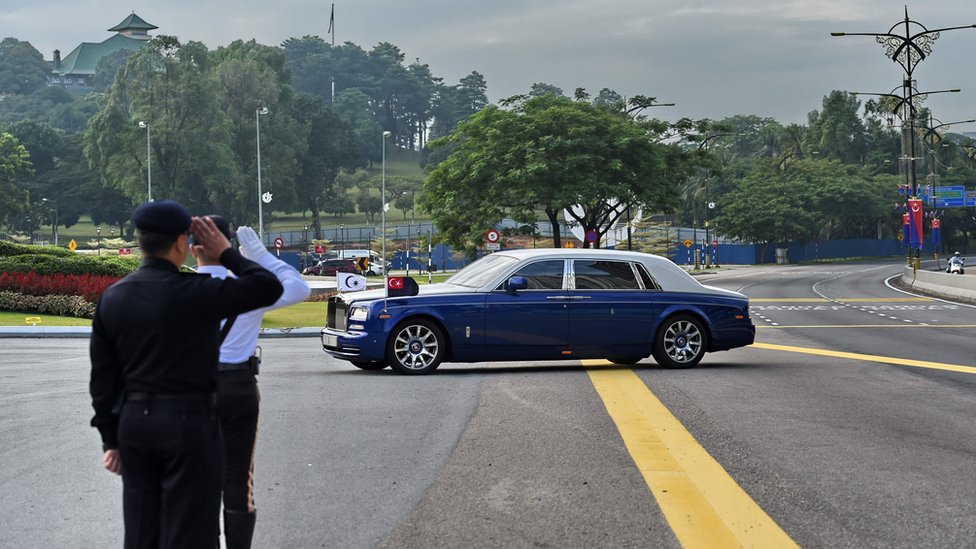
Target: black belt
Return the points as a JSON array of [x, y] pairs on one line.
[[137, 396], [249, 365]]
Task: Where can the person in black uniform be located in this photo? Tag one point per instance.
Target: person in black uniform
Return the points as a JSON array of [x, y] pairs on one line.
[[154, 353]]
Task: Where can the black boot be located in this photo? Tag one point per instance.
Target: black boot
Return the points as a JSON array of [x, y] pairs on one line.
[[238, 529]]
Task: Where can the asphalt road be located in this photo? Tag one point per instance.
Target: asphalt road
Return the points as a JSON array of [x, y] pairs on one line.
[[873, 448]]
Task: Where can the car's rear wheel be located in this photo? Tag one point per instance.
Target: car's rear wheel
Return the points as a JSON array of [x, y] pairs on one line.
[[416, 347], [680, 342], [369, 365]]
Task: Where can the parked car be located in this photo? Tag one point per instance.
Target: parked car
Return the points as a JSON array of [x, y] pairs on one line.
[[542, 304], [329, 267]]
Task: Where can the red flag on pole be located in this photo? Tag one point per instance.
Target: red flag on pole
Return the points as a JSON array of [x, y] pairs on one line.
[[915, 230]]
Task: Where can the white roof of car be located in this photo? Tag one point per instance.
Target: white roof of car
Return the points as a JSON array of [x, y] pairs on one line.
[[670, 276]]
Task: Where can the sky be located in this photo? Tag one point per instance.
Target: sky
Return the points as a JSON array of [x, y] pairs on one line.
[[712, 58]]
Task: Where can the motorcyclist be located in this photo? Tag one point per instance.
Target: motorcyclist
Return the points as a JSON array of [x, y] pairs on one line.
[[956, 259]]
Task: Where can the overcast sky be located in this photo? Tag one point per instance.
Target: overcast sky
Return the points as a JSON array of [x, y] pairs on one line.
[[713, 58]]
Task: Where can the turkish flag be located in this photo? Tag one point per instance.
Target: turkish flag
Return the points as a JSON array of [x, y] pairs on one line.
[[915, 229], [400, 286]]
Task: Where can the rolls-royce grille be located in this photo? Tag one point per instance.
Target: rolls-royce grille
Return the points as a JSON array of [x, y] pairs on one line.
[[338, 312]]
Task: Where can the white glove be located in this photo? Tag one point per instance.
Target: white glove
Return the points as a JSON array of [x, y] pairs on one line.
[[251, 246]]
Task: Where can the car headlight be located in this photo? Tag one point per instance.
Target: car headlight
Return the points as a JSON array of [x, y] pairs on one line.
[[359, 314]]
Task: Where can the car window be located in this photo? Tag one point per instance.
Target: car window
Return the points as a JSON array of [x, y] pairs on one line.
[[592, 274], [649, 282], [482, 272], [543, 275]]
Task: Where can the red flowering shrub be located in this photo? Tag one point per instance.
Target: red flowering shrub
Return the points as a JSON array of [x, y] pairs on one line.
[[88, 286]]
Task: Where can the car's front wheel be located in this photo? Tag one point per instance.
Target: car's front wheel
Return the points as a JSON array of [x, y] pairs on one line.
[[416, 347], [680, 342]]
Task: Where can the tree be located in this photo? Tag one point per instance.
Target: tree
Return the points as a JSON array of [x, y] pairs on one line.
[[548, 153], [22, 68], [15, 167], [837, 132], [170, 86], [329, 147]]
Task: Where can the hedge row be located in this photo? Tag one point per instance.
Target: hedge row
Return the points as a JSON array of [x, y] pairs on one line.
[[59, 305], [47, 264], [12, 248]]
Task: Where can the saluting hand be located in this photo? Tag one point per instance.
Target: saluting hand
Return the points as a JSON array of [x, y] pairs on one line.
[[208, 237]]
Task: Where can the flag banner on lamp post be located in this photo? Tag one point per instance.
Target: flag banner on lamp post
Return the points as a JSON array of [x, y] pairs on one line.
[[905, 224], [936, 232], [915, 231]]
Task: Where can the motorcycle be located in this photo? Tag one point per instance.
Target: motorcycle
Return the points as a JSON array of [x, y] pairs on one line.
[[957, 267]]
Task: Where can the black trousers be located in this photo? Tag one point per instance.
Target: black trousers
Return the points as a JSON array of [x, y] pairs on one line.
[[172, 464], [237, 407]]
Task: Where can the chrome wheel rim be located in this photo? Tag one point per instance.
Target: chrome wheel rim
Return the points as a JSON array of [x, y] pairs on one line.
[[682, 341], [415, 347]]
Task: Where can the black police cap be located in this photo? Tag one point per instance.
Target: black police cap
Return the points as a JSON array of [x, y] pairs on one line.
[[162, 217], [223, 226]]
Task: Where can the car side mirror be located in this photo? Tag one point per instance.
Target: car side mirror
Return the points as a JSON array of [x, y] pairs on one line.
[[517, 283]]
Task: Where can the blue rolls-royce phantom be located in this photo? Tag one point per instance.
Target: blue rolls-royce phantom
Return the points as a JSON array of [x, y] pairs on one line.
[[541, 304]]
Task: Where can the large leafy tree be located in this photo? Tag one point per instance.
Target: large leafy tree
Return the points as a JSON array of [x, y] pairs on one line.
[[170, 86], [548, 153], [836, 131], [22, 68], [15, 167], [329, 148]]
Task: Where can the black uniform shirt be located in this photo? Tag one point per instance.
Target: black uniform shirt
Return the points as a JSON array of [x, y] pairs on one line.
[[157, 331]]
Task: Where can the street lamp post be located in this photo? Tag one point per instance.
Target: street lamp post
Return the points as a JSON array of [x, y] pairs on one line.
[[907, 50], [704, 146], [55, 228], [98, 238], [383, 202], [144, 124], [257, 129]]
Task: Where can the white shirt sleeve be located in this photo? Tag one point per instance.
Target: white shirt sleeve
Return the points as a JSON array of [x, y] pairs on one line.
[[296, 289]]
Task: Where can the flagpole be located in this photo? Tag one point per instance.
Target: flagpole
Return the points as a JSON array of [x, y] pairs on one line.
[[332, 32]]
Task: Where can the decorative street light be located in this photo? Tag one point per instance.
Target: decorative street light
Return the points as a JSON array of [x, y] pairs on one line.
[[55, 220], [383, 203], [98, 239], [704, 146], [257, 126], [907, 50], [144, 124]]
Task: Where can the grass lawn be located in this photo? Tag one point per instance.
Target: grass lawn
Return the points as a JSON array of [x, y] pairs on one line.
[[300, 315]]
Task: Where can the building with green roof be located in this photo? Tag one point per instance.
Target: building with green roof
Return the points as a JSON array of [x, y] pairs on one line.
[[77, 69]]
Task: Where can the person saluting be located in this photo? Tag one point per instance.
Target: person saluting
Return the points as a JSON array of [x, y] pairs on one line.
[[154, 352]]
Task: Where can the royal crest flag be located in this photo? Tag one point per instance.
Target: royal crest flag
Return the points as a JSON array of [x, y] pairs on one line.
[[350, 282]]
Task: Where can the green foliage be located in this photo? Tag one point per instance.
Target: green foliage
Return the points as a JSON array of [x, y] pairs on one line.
[[11, 248], [48, 264], [15, 166], [548, 153], [59, 305], [22, 68], [805, 199]]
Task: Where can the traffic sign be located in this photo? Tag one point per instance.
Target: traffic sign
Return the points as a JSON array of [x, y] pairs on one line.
[[279, 243], [493, 246], [715, 243], [321, 248], [72, 245], [687, 243], [125, 251], [591, 236], [362, 263], [492, 236], [569, 244]]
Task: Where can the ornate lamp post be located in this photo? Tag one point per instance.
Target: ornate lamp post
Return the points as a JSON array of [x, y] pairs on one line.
[[144, 124], [257, 129], [907, 50]]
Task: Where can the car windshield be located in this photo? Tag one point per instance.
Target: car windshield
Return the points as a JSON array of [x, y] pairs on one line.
[[482, 271]]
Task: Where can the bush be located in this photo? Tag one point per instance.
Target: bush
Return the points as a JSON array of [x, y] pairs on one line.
[[69, 265], [88, 286], [12, 248], [59, 305]]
